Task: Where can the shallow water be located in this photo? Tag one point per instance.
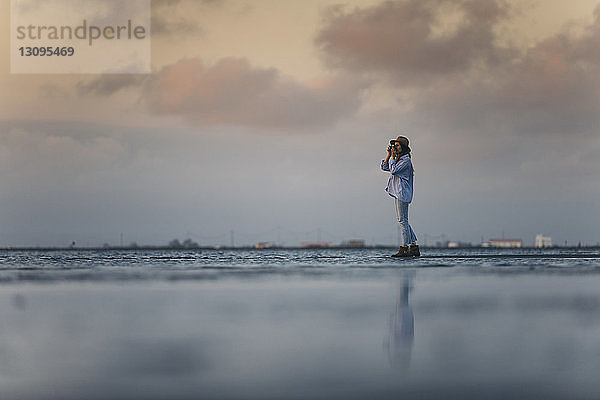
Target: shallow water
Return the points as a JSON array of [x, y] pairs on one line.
[[134, 265], [353, 323]]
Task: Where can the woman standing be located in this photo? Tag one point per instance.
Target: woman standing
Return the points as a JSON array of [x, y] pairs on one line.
[[400, 187]]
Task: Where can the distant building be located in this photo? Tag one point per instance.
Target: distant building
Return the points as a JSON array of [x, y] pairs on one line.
[[506, 243], [354, 243], [542, 241], [263, 245], [459, 244], [316, 244]]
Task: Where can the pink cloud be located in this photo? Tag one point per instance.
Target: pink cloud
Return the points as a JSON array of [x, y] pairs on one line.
[[232, 92]]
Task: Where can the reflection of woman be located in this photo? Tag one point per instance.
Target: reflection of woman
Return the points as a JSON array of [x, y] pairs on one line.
[[402, 329], [400, 187]]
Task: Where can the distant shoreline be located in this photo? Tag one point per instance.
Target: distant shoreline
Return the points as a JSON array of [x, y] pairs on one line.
[[219, 248]]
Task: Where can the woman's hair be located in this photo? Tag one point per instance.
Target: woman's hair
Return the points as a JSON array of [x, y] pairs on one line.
[[403, 150]]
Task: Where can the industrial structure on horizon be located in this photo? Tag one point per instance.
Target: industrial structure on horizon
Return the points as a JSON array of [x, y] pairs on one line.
[[508, 243], [542, 241]]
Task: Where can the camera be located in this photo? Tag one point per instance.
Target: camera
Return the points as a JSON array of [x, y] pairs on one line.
[[391, 146]]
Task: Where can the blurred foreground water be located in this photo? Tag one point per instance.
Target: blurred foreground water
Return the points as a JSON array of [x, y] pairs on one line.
[[278, 324]]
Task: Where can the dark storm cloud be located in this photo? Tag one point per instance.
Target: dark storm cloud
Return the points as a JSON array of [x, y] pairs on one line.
[[400, 38], [233, 92]]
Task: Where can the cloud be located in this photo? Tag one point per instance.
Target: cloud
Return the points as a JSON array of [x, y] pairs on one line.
[[107, 84], [53, 151], [172, 17], [413, 41], [162, 24], [453, 76], [550, 89], [232, 92]]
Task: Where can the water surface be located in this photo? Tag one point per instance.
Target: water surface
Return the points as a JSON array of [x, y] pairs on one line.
[[349, 323]]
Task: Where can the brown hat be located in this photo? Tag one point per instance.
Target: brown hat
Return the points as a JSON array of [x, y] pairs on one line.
[[402, 140]]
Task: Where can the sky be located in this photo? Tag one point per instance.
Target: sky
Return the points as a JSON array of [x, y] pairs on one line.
[[267, 120]]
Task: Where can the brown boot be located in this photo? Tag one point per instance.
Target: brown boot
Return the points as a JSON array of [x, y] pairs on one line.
[[402, 252], [413, 250]]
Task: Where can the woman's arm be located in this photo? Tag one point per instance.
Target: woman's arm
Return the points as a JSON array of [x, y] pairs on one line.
[[385, 165], [396, 167]]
